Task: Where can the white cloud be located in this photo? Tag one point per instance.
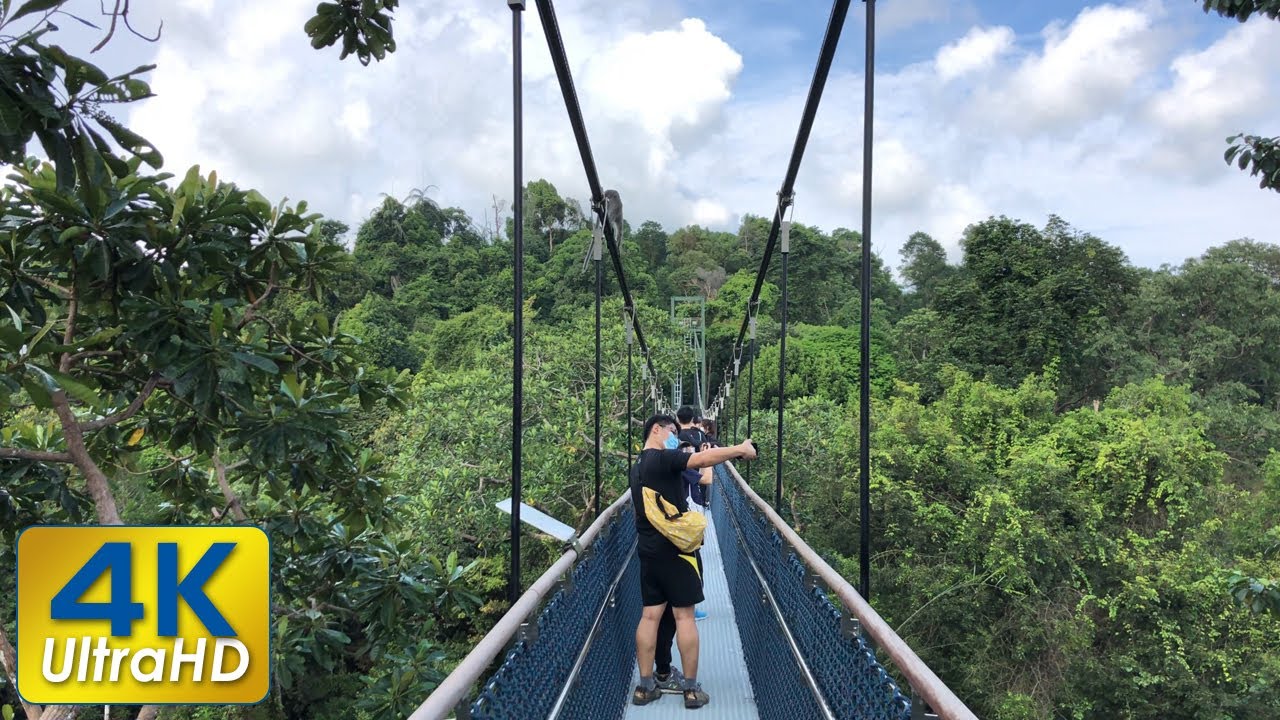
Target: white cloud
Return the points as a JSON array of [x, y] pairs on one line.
[[977, 50], [895, 15], [357, 120], [1218, 91], [1088, 68], [710, 213], [1099, 117]]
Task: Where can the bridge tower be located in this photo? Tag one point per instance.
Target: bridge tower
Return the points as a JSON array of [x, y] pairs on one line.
[[693, 323]]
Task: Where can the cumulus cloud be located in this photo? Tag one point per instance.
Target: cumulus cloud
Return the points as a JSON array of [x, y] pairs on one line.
[[1085, 69], [1215, 92], [1104, 117], [975, 51]]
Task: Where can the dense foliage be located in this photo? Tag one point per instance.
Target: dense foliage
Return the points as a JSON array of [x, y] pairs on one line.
[[1076, 480]]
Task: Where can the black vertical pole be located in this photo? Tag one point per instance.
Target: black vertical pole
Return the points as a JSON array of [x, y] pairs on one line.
[[599, 284], [517, 366], [629, 362], [782, 361], [751, 386], [737, 358], [864, 406]]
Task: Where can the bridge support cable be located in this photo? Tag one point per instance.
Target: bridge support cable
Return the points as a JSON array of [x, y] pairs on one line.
[[864, 371], [752, 309], [782, 355], [733, 419], [517, 364], [551, 28], [830, 40], [595, 250], [630, 354], [835, 631]]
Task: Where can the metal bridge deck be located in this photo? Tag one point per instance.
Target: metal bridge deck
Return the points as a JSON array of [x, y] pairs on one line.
[[721, 667]]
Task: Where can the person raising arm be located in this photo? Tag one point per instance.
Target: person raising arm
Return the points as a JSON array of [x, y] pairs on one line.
[[714, 456]]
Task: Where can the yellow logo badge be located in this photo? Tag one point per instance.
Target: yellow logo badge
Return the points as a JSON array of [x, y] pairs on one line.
[[143, 615]]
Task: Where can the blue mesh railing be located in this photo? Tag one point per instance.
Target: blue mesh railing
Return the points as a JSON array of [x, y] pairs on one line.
[[830, 634], [538, 666], [575, 605], [839, 664]]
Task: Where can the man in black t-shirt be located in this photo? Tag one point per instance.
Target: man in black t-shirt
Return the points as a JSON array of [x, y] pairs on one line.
[[668, 576]]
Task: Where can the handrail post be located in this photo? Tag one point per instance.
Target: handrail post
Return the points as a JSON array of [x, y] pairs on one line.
[[517, 366]]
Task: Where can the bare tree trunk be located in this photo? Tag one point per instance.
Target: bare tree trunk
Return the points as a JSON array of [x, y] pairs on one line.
[[149, 712]]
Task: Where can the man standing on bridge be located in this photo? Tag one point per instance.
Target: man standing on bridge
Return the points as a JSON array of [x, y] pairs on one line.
[[668, 576]]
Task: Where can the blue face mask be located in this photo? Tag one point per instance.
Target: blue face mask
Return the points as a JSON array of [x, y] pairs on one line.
[[672, 442]]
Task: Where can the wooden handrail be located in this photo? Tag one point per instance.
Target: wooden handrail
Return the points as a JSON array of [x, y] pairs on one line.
[[923, 680], [443, 702]]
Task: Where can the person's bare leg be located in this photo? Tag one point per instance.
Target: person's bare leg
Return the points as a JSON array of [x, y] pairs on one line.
[[666, 640], [686, 639], [647, 637]]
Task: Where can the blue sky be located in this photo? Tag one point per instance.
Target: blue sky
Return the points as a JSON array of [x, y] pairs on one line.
[[1110, 115]]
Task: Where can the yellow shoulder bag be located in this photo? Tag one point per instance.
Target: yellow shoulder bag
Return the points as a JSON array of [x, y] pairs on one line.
[[684, 530]]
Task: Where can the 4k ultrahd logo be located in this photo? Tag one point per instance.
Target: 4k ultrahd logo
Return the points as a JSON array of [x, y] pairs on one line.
[[143, 615]]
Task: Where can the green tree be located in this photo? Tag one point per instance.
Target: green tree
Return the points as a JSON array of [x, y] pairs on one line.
[[1024, 298], [548, 219], [134, 324], [924, 267], [652, 241]]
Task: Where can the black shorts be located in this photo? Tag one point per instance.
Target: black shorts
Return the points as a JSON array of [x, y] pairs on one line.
[[676, 581]]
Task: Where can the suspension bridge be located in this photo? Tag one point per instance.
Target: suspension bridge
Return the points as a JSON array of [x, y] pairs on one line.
[[787, 637]]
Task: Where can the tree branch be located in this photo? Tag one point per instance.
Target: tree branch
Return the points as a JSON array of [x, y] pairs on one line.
[[111, 30], [96, 481], [251, 311], [73, 304], [36, 455], [233, 500], [128, 412], [94, 353]]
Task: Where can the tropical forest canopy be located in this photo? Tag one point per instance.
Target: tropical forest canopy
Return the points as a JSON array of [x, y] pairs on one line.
[[1075, 482]]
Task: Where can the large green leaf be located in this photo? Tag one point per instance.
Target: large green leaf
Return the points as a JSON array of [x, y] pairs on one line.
[[35, 6], [256, 361], [131, 141]]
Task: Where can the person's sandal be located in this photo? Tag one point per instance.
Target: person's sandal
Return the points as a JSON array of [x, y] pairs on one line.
[[695, 698], [644, 697]]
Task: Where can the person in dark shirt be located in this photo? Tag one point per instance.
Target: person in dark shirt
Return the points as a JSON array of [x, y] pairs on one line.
[[695, 481], [689, 431], [667, 576]]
